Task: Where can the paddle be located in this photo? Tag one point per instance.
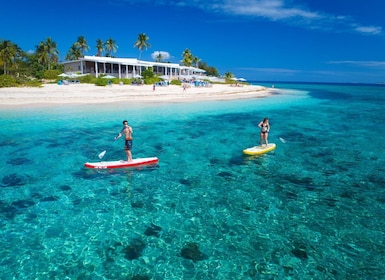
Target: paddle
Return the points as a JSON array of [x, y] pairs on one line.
[[101, 155], [282, 140]]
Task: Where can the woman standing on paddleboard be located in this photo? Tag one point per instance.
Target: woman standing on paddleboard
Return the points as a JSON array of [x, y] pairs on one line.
[[127, 132], [265, 128]]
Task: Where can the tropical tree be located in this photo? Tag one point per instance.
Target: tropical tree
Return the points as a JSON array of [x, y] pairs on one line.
[[159, 57], [32, 67], [47, 52], [74, 53], [99, 47], [228, 75], [195, 61], [142, 43], [9, 54], [42, 54], [110, 46], [187, 57], [210, 70], [81, 43]]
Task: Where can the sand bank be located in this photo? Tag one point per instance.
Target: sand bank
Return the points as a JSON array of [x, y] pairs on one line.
[[91, 94]]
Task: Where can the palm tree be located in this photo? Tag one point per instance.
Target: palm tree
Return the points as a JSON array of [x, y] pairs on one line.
[[19, 59], [99, 47], [229, 75], [42, 54], [47, 52], [195, 60], [8, 53], [110, 46], [52, 50], [159, 57], [187, 57], [81, 43], [74, 53], [141, 43]]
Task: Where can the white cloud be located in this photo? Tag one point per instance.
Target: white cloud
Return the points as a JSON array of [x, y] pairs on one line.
[[271, 9], [361, 63], [278, 10], [370, 30], [271, 70], [165, 55], [285, 11]]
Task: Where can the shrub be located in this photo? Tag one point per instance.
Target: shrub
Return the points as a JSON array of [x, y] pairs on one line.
[[126, 81], [32, 83], [51, 74], [87, 79], [101, 82], [175, 82], [7, 81], [148, 73], [39, 75], [151, 81]]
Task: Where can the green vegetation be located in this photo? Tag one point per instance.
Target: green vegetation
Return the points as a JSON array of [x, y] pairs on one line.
[[187, 58], [142, 43], [176, 83], [51, 74], [102, 82], [22, 69], [7, 81], [149, 77], [190, 60], [87, 79], [19, 68], [110, 47]]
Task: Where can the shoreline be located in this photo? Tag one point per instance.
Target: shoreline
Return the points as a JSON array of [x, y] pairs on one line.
[[55, 95]]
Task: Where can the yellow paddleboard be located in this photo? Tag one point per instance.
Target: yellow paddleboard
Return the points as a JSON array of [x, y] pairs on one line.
[[258, 150]]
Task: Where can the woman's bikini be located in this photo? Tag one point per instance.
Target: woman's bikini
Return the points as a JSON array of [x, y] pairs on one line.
[[264, 128]]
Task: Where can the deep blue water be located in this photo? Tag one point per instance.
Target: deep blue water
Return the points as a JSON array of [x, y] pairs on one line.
[[312, 209]]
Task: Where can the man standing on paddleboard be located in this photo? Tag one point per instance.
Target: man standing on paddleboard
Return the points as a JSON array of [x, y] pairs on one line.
[[127, 132]]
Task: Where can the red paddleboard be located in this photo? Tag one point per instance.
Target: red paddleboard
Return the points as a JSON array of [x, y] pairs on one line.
[[121, 163]]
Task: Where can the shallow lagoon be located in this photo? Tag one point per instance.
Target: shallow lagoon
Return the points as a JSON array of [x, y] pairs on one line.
[[312, 208]]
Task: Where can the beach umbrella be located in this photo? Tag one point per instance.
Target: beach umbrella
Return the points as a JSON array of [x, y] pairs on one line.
[[187, 77], [63, 75], [109, 77], [164, 77], [242, 79], [73, 75]]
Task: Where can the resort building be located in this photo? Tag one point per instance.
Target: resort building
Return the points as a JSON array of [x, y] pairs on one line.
[[129, 68]]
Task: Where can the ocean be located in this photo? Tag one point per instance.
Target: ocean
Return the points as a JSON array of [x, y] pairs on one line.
[[311, 209]]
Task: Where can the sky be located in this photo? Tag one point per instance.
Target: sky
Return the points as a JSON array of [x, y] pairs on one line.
[[339, 41]]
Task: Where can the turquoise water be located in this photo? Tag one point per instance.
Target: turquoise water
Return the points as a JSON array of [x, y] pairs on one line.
[[312, 209]]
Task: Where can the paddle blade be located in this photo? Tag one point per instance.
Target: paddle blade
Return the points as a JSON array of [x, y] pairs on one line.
[[282, 140], [101, 155]]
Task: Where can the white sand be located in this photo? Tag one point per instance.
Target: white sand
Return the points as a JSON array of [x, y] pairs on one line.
[[51, 94]]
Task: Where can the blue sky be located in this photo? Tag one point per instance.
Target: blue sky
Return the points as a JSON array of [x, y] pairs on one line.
[[262, 40]]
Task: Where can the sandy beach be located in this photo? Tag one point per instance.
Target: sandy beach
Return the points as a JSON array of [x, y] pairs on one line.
[[51, 94]]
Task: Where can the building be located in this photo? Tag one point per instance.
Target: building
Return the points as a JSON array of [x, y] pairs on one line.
[[128, 68]]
